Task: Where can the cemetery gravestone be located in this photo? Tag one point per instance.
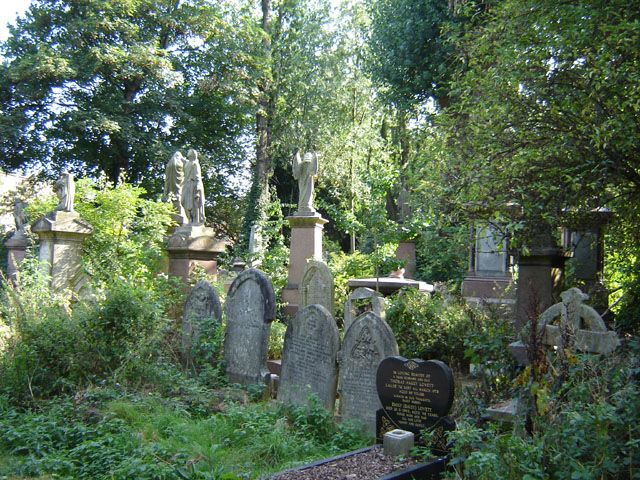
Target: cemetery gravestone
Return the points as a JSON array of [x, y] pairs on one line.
[[366, 343], [362, 300], [309, 358], [202, 307], [249, 309], [316, 286], [415, 395]]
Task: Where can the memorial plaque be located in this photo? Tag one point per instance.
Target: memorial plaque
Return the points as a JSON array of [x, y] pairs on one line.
[[249, 309], [316, 286], [366, 343], [415, 394], [309, 358]]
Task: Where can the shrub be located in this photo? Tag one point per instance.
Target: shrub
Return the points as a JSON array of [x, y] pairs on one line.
[[429, 327]]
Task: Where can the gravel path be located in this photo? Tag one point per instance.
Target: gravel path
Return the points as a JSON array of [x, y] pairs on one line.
[[370, 465]]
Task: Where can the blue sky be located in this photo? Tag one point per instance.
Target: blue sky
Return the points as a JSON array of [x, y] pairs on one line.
[[8, 11]]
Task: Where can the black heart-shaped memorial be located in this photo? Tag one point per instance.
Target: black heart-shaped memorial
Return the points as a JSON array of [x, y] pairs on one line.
[[415, 394]]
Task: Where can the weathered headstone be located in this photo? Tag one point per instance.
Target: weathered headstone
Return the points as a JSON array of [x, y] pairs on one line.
[[250, 308], [309, 358], [316, 286], [366, 343], [415, 394], [362, 300], [202, 307]]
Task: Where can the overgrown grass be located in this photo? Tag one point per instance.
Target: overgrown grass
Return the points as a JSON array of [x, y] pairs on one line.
[[106, 434]]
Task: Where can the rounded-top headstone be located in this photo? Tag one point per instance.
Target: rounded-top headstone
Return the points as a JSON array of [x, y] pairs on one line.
[[202, 305], [366, 343], [309, 358], [249, 309], [316, 286], [415, 394]]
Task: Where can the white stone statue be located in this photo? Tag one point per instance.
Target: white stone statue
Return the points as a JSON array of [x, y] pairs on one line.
[[255, 245], [19, 216], [65, 189], [174, 180], [304, 170], [193, 190]]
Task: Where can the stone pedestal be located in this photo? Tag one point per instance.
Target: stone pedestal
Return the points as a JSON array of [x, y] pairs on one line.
[[192, 245], [407, 251], [17, 246], [539, 282], [306, 242], [61, 235]]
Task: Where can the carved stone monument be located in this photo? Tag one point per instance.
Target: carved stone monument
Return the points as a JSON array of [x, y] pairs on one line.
[[367, 342], [17, 243], [316, 286], [309, 358], [192, 243], [489, 279], [61, 234], [306, 229], [250, 308], [202, 307], [362, 300]]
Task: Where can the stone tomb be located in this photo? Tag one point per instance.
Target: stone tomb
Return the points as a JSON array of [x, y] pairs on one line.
[[201, 309], [367, 342], [309, 358], [415, 395], [316, 286], [362, 300], [250, 308]]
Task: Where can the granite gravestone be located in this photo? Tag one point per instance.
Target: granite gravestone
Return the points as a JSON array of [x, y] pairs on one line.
[[362, 300], [201, 308], [415, 394], [249, 309], [309, 358], [366, 343], [316, 286]]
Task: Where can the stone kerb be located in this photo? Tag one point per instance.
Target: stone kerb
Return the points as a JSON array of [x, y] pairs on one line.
[[201, 307], [367, 342], [249, 309], [316, 286], [361, 295], [309, 358]]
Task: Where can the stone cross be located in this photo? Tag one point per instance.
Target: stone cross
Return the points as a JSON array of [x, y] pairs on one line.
[[373, 299]]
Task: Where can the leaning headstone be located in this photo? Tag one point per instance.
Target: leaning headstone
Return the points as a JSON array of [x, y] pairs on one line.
[[362, 300], [309, 358], [316, 286], [367, 342], [415, 395], [250, 308], [201, 308]]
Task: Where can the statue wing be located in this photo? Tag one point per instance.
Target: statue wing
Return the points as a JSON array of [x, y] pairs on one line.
[[314, 164], [295, 165]]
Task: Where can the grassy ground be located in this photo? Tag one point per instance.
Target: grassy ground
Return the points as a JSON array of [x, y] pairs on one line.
[[104, 434]]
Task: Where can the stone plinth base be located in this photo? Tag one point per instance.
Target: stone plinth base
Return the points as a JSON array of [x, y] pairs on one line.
[[306, 243], [539, 281], [17, 246], [61, 235], [192, 245]]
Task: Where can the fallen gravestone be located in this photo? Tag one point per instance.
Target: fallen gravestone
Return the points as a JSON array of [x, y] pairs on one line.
[[249, 310], [201, 309], [309, 358], [316, 286], [366, 343], [415, 395], [360, 301]]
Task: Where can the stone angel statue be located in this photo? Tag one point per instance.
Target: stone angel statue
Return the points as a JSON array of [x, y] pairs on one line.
[[173, 182], [193, 190], [65, 189], [304, 170]]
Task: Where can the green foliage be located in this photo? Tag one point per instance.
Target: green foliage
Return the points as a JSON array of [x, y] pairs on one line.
[[104, 434], [276, 339], [429, 327], [442, 254], [583, 427]]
